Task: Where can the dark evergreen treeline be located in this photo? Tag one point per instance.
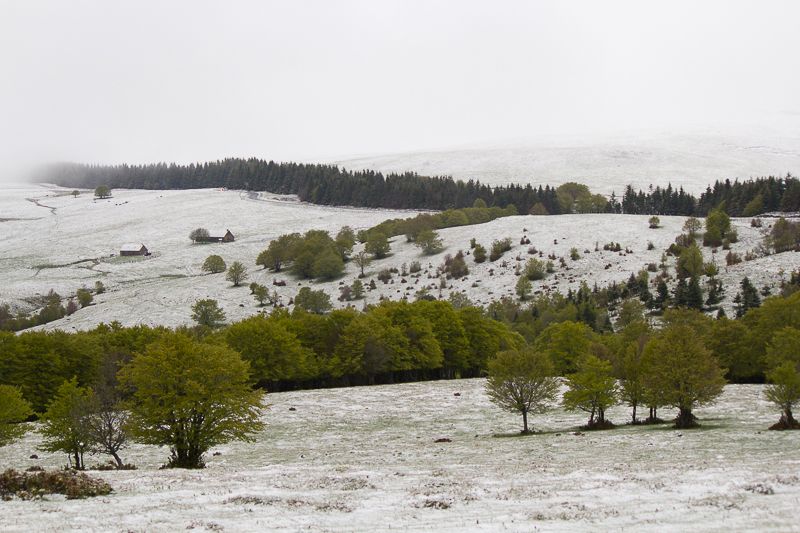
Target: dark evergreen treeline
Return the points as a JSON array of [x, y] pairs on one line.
[[330, 185], [738, 198], [314, 183]]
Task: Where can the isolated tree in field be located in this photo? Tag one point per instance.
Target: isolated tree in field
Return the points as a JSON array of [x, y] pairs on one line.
[[429, 242], [592, 389], [237, 273], [317, 302], [362, 261], [198, 234], [84, 297], [99, 288], [630, 369], [535, 269], [345, 240], [14, 410], [65, 427], [682, 372], [75, 193], [692, 227], [377, 245], [190, 396], [208, 313], [479, 253], [261, 294], [783, 375], [524, 287], [214, 264], [654, 222], [522, 381], [102, 191]]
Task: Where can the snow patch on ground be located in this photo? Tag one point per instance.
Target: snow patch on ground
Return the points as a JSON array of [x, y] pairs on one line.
[[364, 459]]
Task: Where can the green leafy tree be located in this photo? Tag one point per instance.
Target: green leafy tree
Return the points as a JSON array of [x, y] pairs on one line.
[[280, 251], [345, 240], [317, 302], [261, 294], [14, 410], [692, 226], [65, 427], [566, 343], [328, 266], [273, 351], [522, 381], [102, 191], [429, 242], [718, 225], [214, 264], [84, 297], [784, 236], [237, 273], [535, 269], [783, 375], [378, 245], [682, 372], [654, 222], [592, 389], [690, 262], [190, 396], [208, 313]]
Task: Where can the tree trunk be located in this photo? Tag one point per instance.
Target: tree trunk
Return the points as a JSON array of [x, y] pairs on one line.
[[525, 421], [117, 459], [633, 417], [685, 419]]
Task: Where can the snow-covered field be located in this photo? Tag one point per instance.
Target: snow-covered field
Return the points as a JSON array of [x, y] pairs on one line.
[[691, 160], [64, 243], [364, 459]]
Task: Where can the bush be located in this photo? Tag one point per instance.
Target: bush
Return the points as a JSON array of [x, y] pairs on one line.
[[34, 485], [198, 234], [479, 253], [99, 288], [384, 275], [414, 267], [654, 222], [237, 273], [455, 266], [499, 247], [574, 254], [733, 258], [535, 269], [214, 264], [429, 242], [84, 297]]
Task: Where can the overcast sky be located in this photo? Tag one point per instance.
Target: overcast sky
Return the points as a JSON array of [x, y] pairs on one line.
[[101, 81]]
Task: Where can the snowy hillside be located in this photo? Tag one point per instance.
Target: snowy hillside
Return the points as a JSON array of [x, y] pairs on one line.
[[64, 243], [607, 165]]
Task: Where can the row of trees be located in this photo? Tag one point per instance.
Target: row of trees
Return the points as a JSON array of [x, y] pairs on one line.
[[675, 366], [330, 185], [179, 392]]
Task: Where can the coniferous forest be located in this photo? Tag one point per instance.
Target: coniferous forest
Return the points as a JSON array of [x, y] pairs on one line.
[[331, 185]]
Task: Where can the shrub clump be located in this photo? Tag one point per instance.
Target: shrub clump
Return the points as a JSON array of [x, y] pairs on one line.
[[34, 485]]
